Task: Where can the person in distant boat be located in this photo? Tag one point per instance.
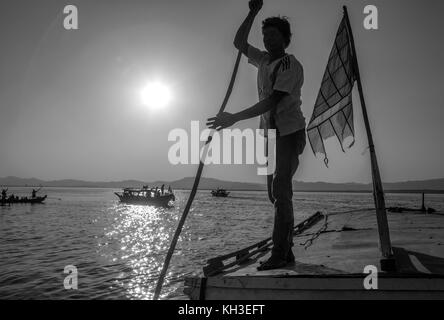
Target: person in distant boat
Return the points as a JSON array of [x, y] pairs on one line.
[[162, 189], [170, 190], [4, 193], [280, 79], [34, 193]]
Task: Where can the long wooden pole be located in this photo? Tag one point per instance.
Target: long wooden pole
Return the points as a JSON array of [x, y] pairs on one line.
[[378, 192], [194, 190]]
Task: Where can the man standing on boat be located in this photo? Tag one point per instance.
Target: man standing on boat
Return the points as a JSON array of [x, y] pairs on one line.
[[4, 193], [280, 79], [34, 193]]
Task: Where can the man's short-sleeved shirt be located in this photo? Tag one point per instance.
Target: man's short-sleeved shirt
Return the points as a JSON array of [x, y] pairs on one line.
[[289, 79]]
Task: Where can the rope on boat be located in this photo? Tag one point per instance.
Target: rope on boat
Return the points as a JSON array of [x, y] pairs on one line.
[[195, 186], [307, 244], [349, 211]]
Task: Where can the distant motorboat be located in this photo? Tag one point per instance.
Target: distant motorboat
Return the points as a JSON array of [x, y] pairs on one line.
[[220, 193], [146, 196]]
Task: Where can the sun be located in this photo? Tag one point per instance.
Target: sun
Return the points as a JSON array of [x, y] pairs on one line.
[[155, 95]]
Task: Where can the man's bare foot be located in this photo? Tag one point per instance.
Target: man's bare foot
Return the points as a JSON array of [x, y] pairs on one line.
[[272, 263], [290, 258]]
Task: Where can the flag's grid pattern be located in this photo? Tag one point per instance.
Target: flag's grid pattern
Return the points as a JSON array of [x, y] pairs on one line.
[[333, 111]]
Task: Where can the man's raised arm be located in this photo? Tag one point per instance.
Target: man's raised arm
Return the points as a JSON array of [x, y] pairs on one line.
[[241, 39]]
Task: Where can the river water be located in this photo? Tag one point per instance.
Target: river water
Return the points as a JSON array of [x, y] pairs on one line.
[[118, 250]]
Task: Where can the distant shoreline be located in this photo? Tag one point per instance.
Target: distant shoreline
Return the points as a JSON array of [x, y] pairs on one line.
[[418, 191], [431, 186]]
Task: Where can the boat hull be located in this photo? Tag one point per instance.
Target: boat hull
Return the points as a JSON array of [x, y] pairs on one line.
[[36, 200], [348, 287], [163, 201]]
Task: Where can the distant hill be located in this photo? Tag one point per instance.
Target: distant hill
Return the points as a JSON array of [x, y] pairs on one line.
[[19, 182], [431, 186], [435, 185], [210, 184]]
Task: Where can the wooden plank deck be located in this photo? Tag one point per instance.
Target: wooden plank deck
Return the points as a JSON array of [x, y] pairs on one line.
[[331, 256]]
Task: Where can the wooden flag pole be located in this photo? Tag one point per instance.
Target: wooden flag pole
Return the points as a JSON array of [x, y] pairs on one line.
[[387, 263]]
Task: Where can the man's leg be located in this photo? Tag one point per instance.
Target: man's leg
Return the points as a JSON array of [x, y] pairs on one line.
[[288, 149], [269, 178], [270, 188], [283, 193]]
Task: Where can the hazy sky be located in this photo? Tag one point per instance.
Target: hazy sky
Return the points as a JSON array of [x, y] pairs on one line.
[[70, 102]]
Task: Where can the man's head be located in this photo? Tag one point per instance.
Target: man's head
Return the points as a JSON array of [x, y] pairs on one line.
[[277, 33]]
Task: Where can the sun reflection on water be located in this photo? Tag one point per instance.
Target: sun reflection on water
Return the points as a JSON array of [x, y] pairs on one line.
[[139, 239]]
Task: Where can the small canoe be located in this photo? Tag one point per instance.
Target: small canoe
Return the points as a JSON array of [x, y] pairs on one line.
[[36, 200]]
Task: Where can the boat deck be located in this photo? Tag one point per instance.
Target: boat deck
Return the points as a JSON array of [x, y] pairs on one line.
[[331, 253]]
